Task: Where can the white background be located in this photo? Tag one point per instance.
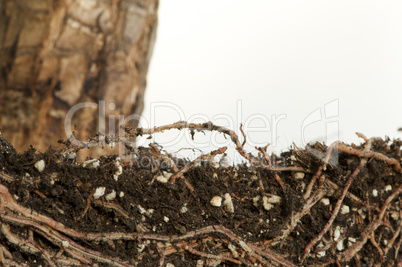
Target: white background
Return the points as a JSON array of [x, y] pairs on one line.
[[250, 60]]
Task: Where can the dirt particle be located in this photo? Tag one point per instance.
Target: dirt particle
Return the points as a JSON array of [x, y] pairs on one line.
[[40, 165], [339, 246], [111, 195], [298, 175], [65, 244], [100, 191], [92, 163], [375, 192], [345, 209], [162, 179], [266, 203], [337, 233], [388, 188], [325, 201], [228, 203], [184, 209], [216, 201]]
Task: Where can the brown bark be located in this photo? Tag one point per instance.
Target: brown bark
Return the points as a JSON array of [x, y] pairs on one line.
[[55, 54]]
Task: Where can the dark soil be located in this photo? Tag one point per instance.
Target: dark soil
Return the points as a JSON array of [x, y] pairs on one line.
[[161, 223]]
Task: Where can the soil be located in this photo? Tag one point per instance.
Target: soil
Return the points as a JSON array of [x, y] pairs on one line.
[[58, 215]]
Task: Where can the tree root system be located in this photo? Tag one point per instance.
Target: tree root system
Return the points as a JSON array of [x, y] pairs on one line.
[[333, 205]]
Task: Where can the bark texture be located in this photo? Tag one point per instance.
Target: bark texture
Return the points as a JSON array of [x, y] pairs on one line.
[[55, 54]]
